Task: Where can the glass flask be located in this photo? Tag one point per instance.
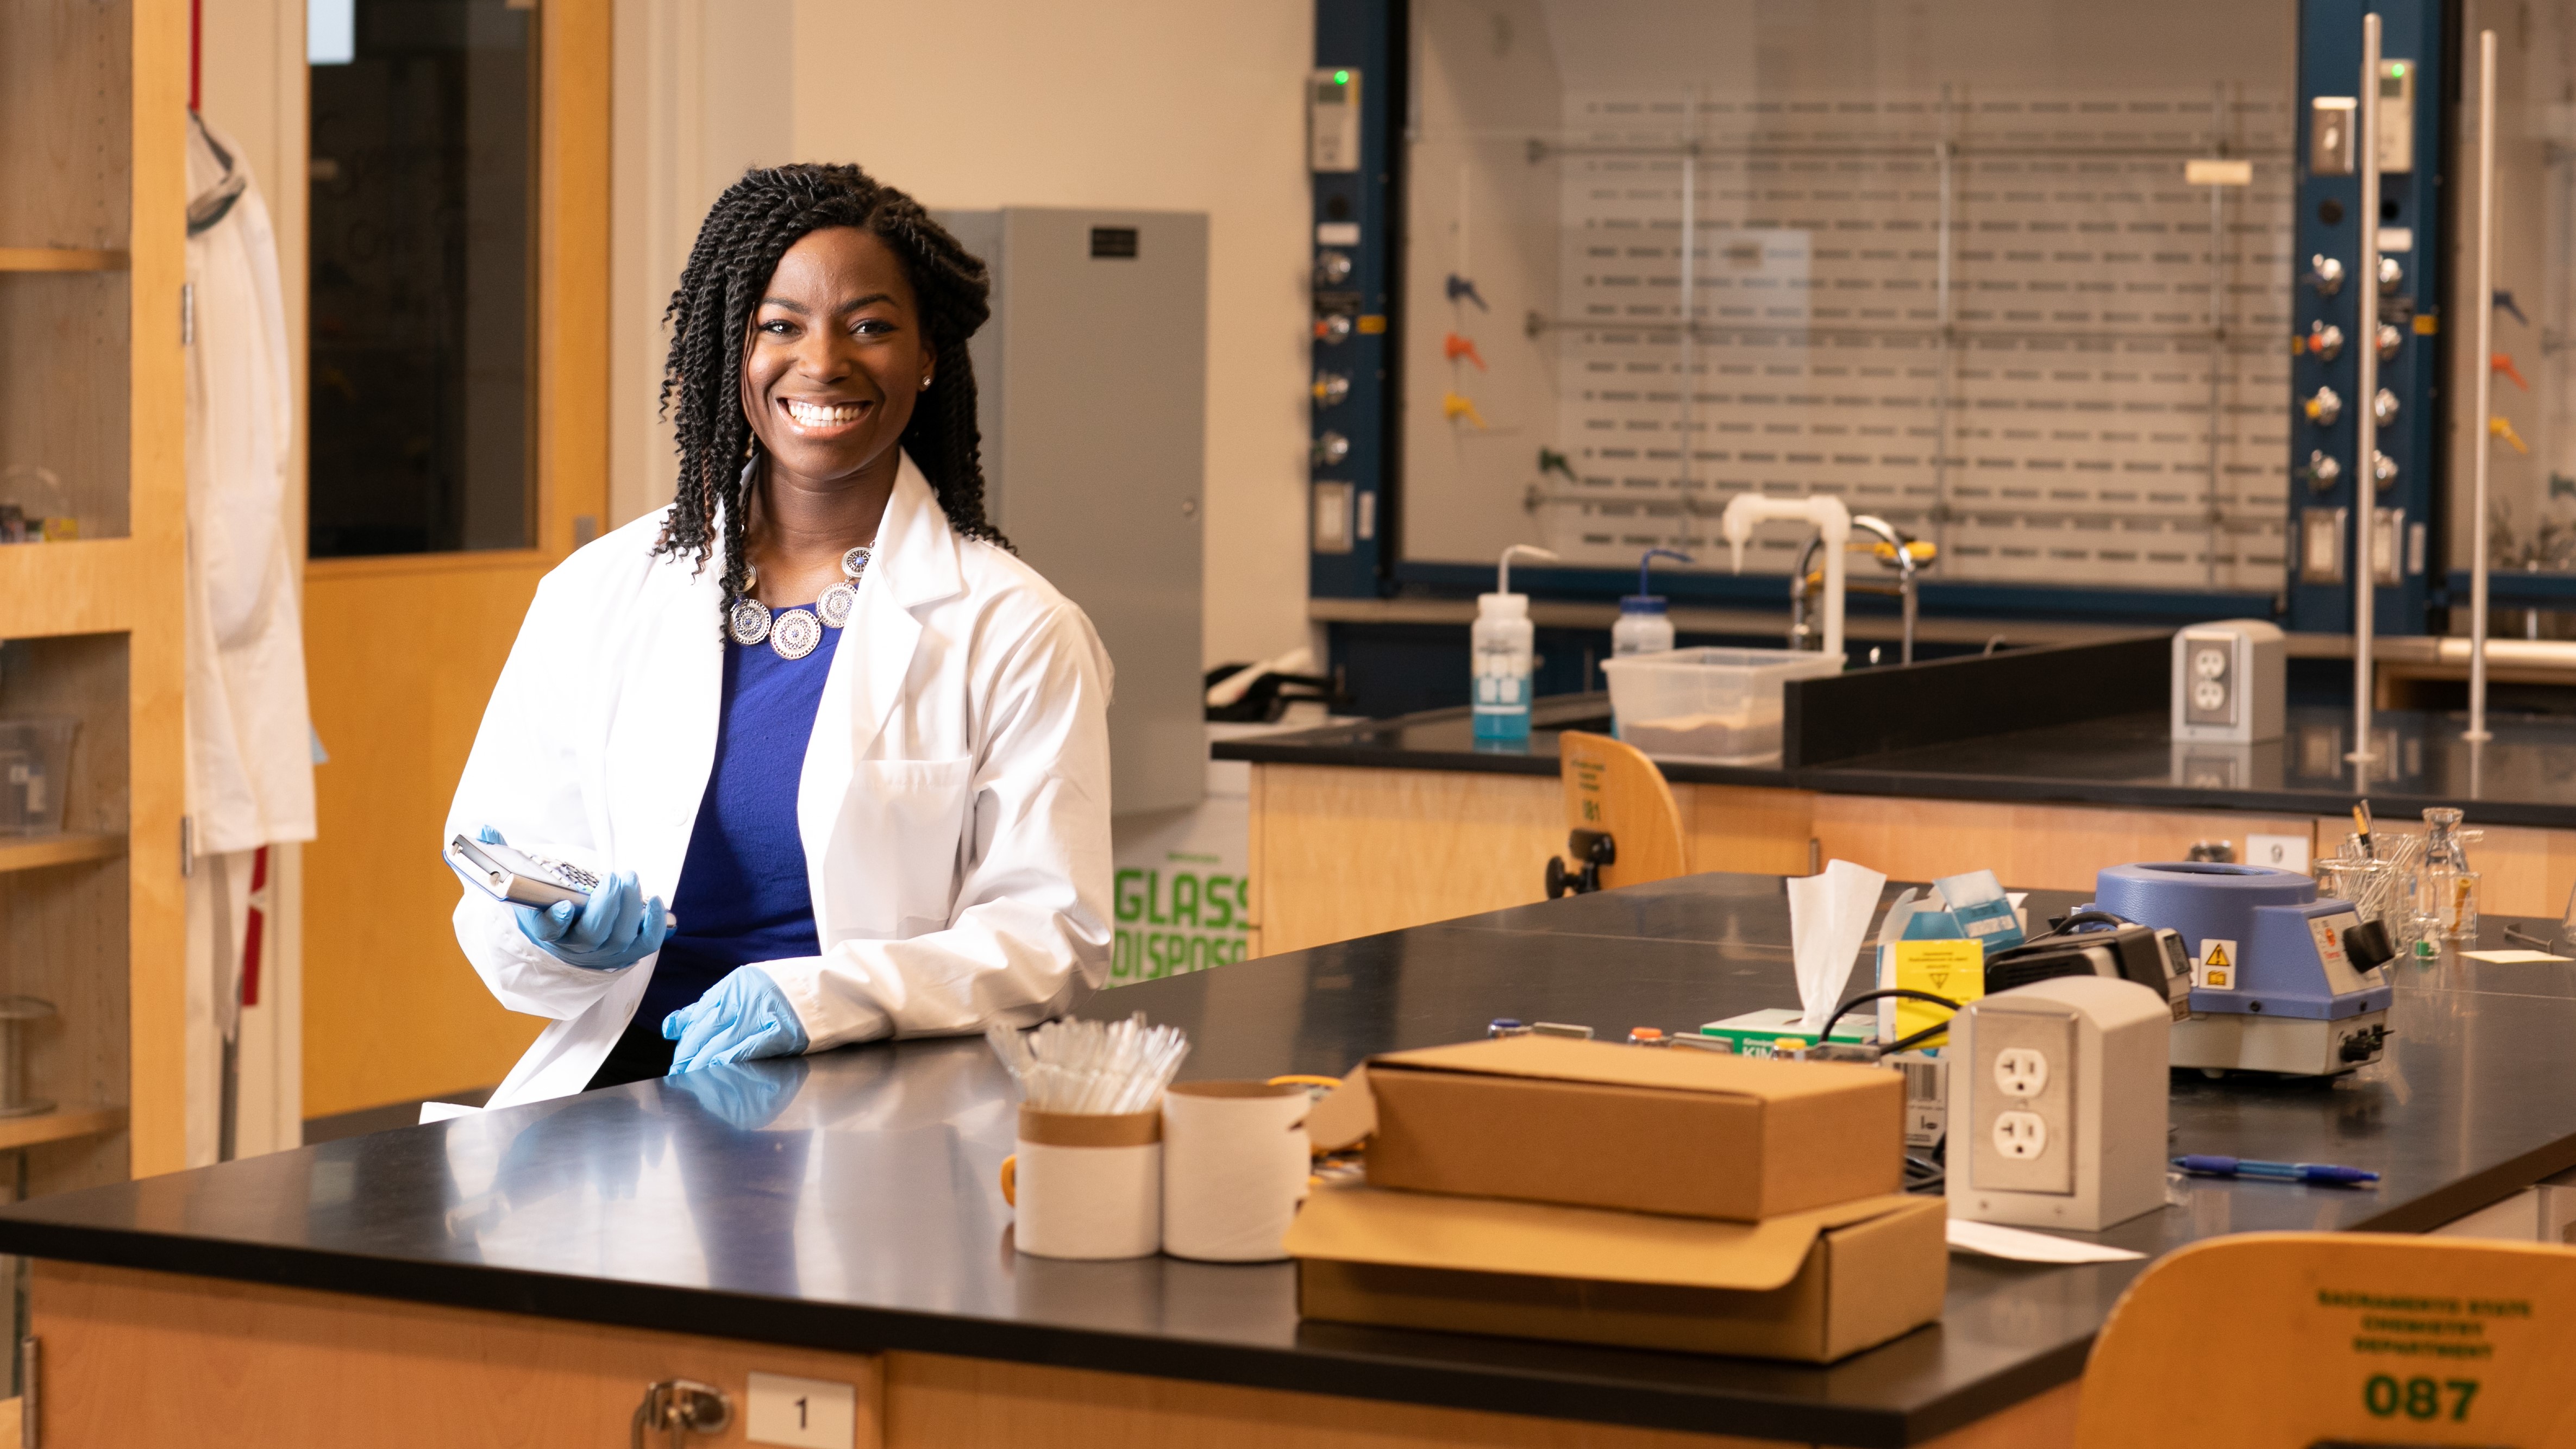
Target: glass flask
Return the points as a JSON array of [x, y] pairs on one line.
[[2446, 889]]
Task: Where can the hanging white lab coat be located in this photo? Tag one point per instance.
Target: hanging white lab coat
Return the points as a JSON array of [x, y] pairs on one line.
[[954, 802], [250, 741], [250, 738]]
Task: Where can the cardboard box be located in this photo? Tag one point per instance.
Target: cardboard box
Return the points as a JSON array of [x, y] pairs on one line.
[[1597, 1124], [1814, 1286]]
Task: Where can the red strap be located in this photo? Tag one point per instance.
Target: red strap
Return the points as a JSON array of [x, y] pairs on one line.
[[252, 930]]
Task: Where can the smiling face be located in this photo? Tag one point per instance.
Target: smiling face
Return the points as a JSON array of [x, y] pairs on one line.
[[836, 358]]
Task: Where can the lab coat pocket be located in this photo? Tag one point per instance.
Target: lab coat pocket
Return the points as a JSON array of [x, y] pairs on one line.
[[903, 831]]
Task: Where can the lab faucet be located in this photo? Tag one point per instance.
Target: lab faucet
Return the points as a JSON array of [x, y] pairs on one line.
[[1906, 571], [1833, 529]]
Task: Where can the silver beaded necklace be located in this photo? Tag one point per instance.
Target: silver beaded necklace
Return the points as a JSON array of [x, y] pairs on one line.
[[793, 635]]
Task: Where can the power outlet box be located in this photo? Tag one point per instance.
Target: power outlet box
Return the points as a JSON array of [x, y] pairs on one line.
[[2230, 682], [2057, 1102]]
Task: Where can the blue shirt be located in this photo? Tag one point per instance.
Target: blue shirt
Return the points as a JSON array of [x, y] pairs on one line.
[[742, 895]]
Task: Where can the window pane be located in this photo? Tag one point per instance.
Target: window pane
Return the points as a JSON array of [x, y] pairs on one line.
[[422, 281], [1707, 249]]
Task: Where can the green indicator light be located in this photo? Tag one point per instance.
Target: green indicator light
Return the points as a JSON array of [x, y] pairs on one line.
[[1341, 77], [2398, 69]]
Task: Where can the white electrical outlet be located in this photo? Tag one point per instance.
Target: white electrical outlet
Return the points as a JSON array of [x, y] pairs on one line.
[[2021, 1072], [2059, 1104], [2021, 1136]]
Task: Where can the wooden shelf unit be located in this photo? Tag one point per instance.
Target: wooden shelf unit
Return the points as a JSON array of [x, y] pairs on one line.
[[63, 259], [93, 390], [60, 1125], [69, 848]]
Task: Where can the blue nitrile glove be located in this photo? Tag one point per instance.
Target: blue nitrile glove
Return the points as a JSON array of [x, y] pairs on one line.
[[617, 927], [743, 1016]]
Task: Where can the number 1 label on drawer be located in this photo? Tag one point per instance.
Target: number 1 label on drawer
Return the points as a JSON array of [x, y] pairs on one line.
[[801, 1413]]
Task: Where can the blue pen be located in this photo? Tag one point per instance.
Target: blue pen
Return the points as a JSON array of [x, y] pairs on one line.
[[2326, 1172]]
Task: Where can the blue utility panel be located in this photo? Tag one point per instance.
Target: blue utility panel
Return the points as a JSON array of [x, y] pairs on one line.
[[1352, 458], [2324, 473]]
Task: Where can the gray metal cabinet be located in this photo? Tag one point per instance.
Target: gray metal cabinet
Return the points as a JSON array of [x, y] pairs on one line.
[[1092, 378]]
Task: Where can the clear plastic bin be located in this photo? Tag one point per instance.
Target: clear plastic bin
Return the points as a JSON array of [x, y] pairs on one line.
[[35, 764], [1717, 705]]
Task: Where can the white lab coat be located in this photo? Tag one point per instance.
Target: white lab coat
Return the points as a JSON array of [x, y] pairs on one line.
[[250, 739], [954, 802]]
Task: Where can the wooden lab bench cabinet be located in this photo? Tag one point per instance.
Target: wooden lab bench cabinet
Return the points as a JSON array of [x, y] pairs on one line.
[[1343, 851]]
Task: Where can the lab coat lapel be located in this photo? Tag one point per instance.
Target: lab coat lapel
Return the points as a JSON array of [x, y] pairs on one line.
[[681, 701], [914, 563]]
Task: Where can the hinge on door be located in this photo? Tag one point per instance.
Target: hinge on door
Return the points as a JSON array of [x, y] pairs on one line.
[[30, 1420], [187, 846], [187, 314]]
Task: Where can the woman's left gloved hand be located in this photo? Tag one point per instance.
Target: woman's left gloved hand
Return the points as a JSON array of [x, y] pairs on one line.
[[741, 1017]]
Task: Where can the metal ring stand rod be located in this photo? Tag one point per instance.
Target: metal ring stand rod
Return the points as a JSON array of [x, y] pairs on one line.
[[2482, 439], [2365, 446]]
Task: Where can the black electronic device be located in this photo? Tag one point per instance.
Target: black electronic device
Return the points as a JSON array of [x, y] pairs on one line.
[[2156, 959]]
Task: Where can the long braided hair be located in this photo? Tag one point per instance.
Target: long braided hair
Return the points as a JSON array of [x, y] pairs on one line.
[[750, 227]]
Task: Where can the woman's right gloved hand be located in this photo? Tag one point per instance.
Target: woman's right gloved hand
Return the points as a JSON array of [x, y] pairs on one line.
[[617, 927]]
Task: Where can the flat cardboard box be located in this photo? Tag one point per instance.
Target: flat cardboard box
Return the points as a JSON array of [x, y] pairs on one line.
[[1607, 1125], [1814, 1286]]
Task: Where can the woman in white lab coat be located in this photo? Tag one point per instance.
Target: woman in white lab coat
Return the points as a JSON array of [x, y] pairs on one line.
[[815, 704]]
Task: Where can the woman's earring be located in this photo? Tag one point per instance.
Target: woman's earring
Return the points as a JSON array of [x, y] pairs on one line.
[[925, 382]]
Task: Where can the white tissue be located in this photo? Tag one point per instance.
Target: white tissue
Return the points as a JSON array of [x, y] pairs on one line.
[[1828, 916], [1891, 929]]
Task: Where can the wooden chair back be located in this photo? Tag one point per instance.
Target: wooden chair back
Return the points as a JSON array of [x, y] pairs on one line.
[[2299, 1339], [1613, 786]]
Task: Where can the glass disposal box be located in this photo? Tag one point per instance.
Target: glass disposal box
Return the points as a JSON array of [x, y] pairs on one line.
[[1717, 705], [35, 764]]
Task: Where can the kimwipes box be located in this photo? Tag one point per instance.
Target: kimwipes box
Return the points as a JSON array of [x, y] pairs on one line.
[[1815, 1286], [1598, 1124]]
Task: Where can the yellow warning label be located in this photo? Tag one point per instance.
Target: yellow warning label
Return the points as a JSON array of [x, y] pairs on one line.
[[2216, 968], [2426, 324], [1372, 323], [1952, 970]]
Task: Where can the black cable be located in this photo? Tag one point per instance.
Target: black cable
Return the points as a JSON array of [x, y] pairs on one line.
[[1918, 1038], [1907, 992], [2065, 925]]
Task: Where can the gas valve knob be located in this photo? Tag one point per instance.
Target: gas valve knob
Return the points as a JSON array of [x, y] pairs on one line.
[[2390, 274], [2322, 472], [1331, 449], [2325, 274], [1331, 388], [2383, 408], [1334, 330], [2323, 408], [1332, 268], [2325, 341], [2389, 337], [2383, 470]]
